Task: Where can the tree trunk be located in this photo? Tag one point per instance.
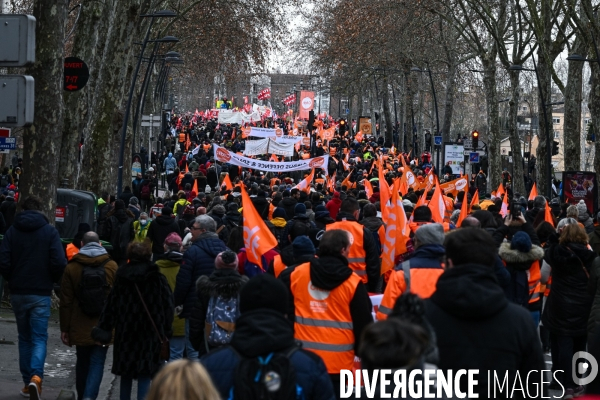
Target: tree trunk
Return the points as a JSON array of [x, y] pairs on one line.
[[389, 129], [545, 126], [42, 140], [594, 106], [493, 140], [449, 101], [101, 150], [78, 105], [571, 146], [518, 182]]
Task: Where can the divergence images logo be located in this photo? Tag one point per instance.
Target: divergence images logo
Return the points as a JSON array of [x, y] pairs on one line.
[[580, 366], [307, 103]]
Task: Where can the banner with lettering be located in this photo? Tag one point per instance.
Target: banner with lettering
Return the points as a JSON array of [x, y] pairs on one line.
[[268, 146], [226, 156], [454, 186]]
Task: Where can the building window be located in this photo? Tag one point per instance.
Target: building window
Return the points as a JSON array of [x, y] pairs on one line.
[[556, 120], [586, 121], [524, 108], [556, 135]]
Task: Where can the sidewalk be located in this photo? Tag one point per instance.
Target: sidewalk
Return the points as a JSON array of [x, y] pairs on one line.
[[59, 371]]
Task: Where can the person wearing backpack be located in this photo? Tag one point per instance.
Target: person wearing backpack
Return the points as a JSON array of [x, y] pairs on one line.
[[5, 179], [263, 346], [146, 194], [213, 317], [118, 230], [84, 288]]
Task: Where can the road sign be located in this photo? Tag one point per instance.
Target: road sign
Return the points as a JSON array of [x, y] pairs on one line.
[[151, 123], [147, 118], [437, 140], [76, 74], [9, 143], [347, 111], [17, 47], [468, 144], [474, 157], [4, 132], [469, 152], [16, 100]]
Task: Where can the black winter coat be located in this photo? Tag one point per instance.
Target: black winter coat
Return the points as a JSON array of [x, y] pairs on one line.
[[258, 333], [32, 257], [288, 204], [118, 231], [593, 291], [8, 208], [137, 347], [261, 205], [198, 260], [569, 304], [158, 231], [478, 328], [222, 282]]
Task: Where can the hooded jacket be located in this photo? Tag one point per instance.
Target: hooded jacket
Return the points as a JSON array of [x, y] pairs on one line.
[[322, 219], [289, 205], [518, 263], [137, 346], [198, 260], [587, 222], [569, 304], [333, 205], [222, 282], [32, 257], [8, 208], [118, 230], [327, 273], [258, 333], [72, 319], [159, 230], [168, 264], [478, 328]]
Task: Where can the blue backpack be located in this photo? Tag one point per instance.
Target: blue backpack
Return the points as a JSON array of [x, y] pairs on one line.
[[220, 320]]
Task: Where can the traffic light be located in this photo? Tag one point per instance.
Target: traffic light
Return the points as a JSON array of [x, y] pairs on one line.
[[475, 139], [342, 127], [590, 135], [554, 147]]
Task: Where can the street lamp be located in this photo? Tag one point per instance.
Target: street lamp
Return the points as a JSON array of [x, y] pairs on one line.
[[158, 14]]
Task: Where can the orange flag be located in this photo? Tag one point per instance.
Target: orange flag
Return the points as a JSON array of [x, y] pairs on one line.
[[331, 183], [346, 182], [504, 209], [475, 199], [500, 190], [463, 210], [533, 192], [186, 168], [384, 192], [548, 214], [195, 188], [304, 184], [368, 188], [422, 200], [396, 234], [437, 205], [258, 239], [403, 231], [227, 183]]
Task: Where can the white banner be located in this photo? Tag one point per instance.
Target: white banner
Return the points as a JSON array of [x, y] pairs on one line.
[[288, 139], [226, 156], [262, 132], [256, 147], [230, 117], [281, 149], [268, 146]]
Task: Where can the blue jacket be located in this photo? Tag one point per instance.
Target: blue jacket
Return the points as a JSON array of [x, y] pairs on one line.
[[428, 256], [198, 260], [32, 257], [258, 333]]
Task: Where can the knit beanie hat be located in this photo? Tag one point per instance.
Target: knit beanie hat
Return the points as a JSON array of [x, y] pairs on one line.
[[134, 201], [264, 291], [279, 213], [300, 210], [218, 210], [581, 207], [166, 211], [119, 205], [521, 242], [301, 246], [226, 259], [173, 240]]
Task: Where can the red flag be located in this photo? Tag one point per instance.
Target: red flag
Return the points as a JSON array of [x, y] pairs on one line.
[[533, 192], [258, 239], [463, 210]]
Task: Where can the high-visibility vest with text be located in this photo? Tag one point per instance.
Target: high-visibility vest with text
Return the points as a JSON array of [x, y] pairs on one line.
[[357, 255], [323, 320]]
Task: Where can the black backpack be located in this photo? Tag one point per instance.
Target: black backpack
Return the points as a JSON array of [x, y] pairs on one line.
[[93, 289], [272, 377], [4, 181]]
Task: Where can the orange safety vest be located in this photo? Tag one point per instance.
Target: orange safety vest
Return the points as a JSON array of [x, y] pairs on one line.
[[323, 320], [181, 137], [357, 258], [449, 204], [381, 233], [420, 281], [278, 265], [71, 251], [534, 277]]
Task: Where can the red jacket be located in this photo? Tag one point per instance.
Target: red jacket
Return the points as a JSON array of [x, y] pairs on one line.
[[333, 205]]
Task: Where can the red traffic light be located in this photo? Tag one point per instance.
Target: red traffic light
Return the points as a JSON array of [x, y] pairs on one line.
[[475, 134], [342, 122]]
